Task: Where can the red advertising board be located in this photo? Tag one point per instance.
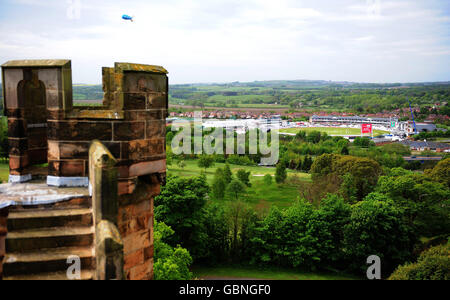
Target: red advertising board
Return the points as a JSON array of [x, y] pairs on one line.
[[366, 128]]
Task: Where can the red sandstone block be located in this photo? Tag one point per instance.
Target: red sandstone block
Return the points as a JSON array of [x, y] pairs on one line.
[[135, 241], [125, 131], [126, 186], [146, 168], [134, 259], [155, 129], [144, 206], [132, 226], [2, 245], [143, 271], [148, 252], [125, 213], [3, 222], [72, 168], [18, 162]]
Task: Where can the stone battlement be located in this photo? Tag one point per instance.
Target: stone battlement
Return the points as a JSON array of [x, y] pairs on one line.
[[45, 127], [57, 150]]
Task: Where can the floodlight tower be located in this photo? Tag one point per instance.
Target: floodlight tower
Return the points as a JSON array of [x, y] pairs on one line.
[[412, 115]]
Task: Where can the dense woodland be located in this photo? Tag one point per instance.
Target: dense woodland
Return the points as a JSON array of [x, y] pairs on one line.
[[362, 200]]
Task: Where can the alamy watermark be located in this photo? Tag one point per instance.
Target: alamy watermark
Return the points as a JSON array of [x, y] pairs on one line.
[[374, 270], [73, 9], [263, 139], [74, 269], [373, 8]]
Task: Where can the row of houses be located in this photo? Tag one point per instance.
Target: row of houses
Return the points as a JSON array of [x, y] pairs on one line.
[[426, 146]]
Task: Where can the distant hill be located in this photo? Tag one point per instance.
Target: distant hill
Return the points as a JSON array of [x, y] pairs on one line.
[[297, 94]]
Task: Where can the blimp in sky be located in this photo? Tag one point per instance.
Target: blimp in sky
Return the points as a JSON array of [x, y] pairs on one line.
[[127, 18]]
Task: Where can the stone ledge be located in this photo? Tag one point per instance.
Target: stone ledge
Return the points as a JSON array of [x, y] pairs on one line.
[[67, 181], [36, 193]]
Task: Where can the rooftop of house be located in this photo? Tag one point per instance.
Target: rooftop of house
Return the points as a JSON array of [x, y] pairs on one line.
[[425, 144]]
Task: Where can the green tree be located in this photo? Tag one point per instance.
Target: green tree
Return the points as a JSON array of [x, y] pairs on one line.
[[219, 185], [426, 203], [206, 161], [377, 227], [441, 172], [333, 215], [235, 189], [180, 205], [432, 264], [170, 263], [228, 175], [307, 163], [216, 226], [244, 177], [280, 173], [314, 137], [268, 179]]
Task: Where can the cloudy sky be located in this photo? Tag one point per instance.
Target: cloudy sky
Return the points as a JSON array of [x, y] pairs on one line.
[[237, 40]]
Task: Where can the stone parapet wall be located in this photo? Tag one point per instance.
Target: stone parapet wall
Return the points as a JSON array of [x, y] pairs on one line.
[[135, 221]]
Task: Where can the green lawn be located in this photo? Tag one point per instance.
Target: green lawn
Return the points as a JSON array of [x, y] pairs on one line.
[[332, 130], [259, 195], [4, 172], [230, 272]]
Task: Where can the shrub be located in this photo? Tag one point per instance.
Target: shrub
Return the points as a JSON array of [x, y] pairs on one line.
[[433, 264], [170, 263], [268, 179]]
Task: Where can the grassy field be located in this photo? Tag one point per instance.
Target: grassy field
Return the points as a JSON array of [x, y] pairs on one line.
[[230, 272], [332, 130], [4, 172], [259, 195]]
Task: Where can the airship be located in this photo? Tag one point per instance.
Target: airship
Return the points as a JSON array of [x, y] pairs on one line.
[[127, 18]]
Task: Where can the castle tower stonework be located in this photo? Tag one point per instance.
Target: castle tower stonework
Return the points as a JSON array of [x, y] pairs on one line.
[[50, 140]]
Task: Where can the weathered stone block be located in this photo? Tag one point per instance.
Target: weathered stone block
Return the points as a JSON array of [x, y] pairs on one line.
[[54, 99], [79, 130], [142, 149], [51, 78], [15, 113], [149, 167], [133, 259], [17, 127], [37, 138], [143, 271], [149, 252], [12, 79], [156, 101], [140, 115], [134, 101], [126, 186], [154, 129], [18, 163], [72, 168], [18, 146], [135, 82], [136, 241], [126, 131]]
